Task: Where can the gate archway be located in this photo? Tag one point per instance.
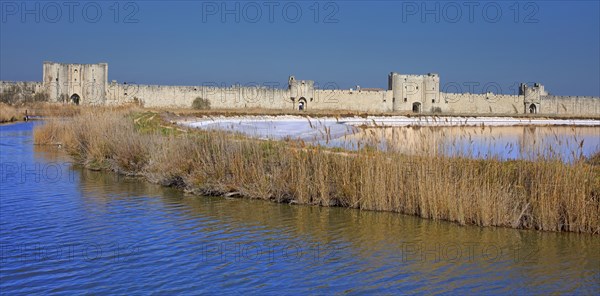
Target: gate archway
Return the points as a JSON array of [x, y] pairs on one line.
[[532, 109], [302, 104], [75, 98], [416, 107]]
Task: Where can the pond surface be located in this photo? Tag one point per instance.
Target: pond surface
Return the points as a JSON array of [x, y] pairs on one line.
[[503, 142], [501, 138], [67, 230]]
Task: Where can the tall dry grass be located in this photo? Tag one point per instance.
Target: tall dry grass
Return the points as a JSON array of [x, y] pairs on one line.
[[52, 109], [545, 195], [9, 113]]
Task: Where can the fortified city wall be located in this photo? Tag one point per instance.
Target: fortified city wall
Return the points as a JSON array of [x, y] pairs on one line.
[[87, 84]]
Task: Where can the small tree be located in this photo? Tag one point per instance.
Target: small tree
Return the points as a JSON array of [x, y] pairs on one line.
[[201, 104], [40, 97], [63, 98]]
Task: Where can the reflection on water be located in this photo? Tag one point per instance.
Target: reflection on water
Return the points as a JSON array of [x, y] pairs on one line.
[[501, 142], [511, 142], [97, 232]]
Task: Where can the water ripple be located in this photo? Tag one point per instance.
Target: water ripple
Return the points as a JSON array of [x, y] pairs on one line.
[[98, 234]]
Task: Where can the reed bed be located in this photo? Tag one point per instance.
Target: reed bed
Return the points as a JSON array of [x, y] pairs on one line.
[[52, 109], [8, 113], [546, 194]]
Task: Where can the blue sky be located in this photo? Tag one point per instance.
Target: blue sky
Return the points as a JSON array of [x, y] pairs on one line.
[[487, 45]]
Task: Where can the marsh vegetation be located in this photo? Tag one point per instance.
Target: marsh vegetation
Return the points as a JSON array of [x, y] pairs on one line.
[[545, 194], [17, 112]]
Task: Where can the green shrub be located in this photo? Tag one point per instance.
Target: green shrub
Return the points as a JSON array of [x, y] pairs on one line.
[[201, 104]]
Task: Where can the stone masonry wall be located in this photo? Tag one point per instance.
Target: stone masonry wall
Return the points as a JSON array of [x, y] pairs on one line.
[[481, 103], [406, 93], [570, 105]]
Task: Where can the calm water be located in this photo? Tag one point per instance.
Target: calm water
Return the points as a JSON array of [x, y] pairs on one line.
[[504, 142], [67, 230]]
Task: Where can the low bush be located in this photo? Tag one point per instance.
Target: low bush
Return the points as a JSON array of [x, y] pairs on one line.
[[201, 104]]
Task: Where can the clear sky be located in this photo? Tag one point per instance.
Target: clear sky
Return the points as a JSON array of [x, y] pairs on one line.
[[477, 46]]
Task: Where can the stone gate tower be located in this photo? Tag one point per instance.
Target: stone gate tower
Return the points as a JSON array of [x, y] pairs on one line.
[[532, 97], [301, 92], [76, 83], [418, 93]]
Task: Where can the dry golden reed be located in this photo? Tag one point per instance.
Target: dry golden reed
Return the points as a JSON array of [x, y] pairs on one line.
[[9, 113], [547, 194]]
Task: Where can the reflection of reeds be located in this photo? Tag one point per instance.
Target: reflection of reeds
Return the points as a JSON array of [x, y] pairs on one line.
[[530, 143], [547, 194]]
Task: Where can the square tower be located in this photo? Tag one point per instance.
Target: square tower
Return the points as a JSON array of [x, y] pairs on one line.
[[532, 97], [416, 93], [76, 83], [301, 92]]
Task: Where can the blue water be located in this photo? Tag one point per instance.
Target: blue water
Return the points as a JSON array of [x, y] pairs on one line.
[[67, 230]]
